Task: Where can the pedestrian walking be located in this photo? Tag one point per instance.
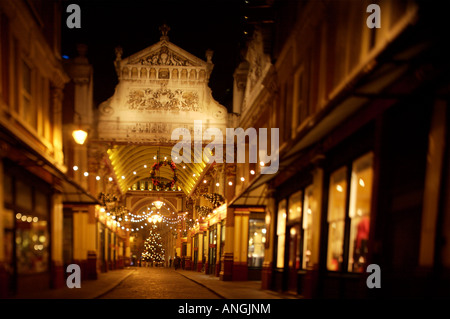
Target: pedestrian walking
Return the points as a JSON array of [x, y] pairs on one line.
[[170, 262]]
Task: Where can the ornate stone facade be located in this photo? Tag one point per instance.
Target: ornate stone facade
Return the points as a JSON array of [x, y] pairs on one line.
[[160, 88]]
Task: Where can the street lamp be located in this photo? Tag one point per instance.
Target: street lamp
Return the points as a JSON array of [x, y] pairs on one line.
[[79, 135]]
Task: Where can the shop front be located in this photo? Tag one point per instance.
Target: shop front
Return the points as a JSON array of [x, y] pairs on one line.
[[27, 204], [216, 239]]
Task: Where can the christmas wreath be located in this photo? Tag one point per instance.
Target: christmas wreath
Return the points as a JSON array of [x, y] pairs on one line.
[[158, 183]]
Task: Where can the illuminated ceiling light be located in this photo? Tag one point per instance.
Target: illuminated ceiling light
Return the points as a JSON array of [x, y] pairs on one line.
[[97, 178], [110, 179], [230, 183], [75, 168], [193, 175], [79, 136], [158, 204], [339, 188], [165, 157], [86, 174], [204, 181], [123, 177], [184, 166], [242, 178], [252, 172], [217, 184], [154, 157], [261, 163], [134, 173]]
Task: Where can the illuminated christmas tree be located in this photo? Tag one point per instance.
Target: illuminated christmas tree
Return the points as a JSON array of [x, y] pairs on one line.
[[153, 248]]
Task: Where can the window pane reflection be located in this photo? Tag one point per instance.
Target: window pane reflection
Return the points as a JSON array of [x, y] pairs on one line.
[[32, 241], [359, 212], [295, 206], [256, 242], [336, 219], [307, 226]]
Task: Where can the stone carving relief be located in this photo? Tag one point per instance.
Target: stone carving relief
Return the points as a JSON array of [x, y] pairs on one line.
[[163, 99], [164, 57]]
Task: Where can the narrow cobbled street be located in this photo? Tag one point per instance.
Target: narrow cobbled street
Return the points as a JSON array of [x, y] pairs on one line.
[[158, 283]]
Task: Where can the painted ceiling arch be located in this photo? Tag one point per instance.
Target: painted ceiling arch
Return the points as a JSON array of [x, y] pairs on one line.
[[133, 163]]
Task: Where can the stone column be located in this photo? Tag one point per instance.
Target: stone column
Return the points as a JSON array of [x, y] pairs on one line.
[[92, 222], [219, 234], [200, 251], [226, 272], [207, 252], [57, 264], [312, 276], [57, 96], [267, 268], [3, 271], [240, 266], [188, 262]]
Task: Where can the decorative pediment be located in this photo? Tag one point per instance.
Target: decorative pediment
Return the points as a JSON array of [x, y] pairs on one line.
[[160, 89], [164, 56]]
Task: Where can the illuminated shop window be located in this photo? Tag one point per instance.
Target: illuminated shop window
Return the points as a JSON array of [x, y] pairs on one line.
[[32, 241], [281, 230], [359, 211], [294, 215], [336, 218], [307, 227], [256, 242], [295, 207]]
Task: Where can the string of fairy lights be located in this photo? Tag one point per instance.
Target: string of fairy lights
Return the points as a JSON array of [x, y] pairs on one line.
[[150, 215]]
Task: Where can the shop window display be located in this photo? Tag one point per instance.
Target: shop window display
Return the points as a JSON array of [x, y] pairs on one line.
[[295, 215], [336, 219], [256, 242], [307, 227], [32, 241], [359, 212]]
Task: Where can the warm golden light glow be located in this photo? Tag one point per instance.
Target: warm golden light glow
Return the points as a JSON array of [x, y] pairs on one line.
[[79, 136], [155, 219], [158, 204]]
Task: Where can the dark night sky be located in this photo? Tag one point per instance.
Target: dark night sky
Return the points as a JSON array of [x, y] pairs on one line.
[[195, 26]]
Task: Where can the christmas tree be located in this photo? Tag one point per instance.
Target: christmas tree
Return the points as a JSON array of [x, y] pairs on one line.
[[153, 248]]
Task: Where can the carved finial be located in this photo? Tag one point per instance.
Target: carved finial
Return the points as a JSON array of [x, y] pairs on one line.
[[164, 30], [209, 54], [119, 52]]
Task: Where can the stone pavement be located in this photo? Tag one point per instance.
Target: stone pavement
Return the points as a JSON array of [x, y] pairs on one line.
[[234, 289], [93, 289]]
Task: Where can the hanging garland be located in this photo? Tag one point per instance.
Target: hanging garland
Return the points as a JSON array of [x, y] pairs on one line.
[[203, 210], [157, 183]]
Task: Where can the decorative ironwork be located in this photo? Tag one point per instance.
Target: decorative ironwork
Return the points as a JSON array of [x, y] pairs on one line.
[[105, 198], [215, 199]]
